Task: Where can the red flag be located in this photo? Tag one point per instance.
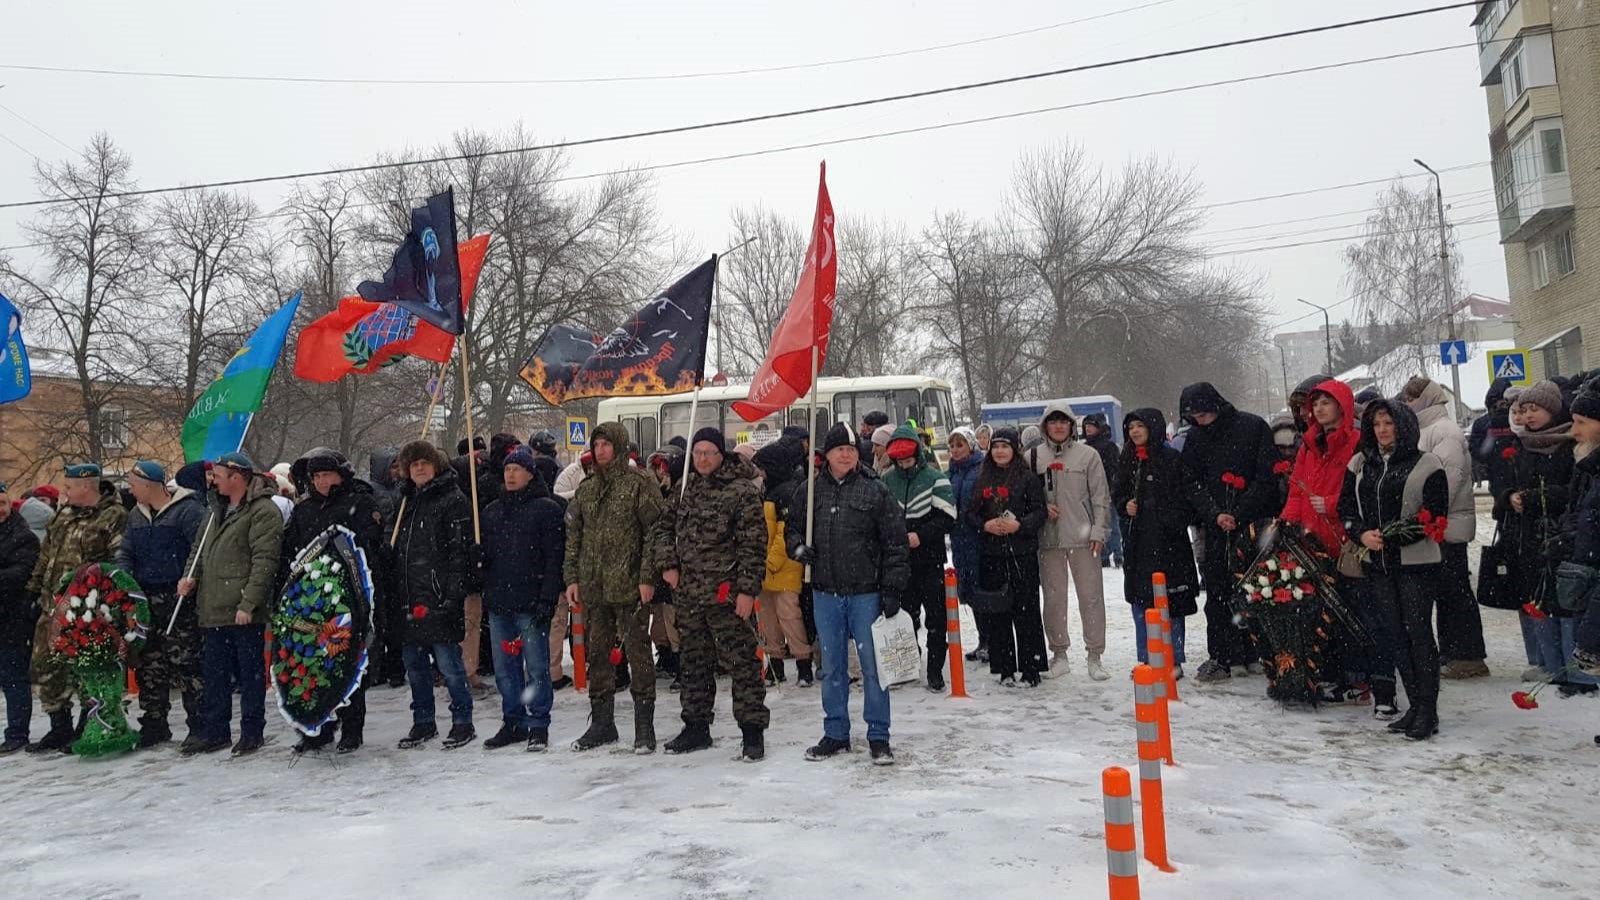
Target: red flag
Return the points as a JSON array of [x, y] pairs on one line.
[[785, 374], [360, 337]]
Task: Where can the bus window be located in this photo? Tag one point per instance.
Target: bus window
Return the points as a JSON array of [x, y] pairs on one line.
[[647, 435], [843, 409], [675, 421], [907, 406]]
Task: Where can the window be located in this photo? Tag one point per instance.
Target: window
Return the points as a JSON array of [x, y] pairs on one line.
[[675, 418], [1555, 157], [1561, 253], [1538, 267], [646, 435], [113, 428], [1515, 73]]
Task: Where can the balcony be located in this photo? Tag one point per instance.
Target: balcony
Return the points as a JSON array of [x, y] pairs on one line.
[[1538, 203], [1521, 15]]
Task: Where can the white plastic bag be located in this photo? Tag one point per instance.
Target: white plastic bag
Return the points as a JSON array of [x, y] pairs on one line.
[[895, 643]]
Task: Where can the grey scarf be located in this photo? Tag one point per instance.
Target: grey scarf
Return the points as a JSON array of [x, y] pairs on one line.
[[1546, 441]]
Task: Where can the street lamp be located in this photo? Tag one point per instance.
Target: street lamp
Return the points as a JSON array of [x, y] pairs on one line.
[[1327, 333], [1449, 301], [1283, 360]]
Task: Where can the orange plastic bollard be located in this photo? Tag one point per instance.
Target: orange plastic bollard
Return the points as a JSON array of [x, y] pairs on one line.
[[133, 684], [952, 625], [1122, 850], [1159, 586], [580, 655], [1146, 680], [1156, 652]]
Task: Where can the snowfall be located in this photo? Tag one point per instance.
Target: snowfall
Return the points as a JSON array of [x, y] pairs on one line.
[[996, 795]]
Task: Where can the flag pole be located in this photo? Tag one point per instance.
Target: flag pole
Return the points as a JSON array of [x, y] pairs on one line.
[[472, 453], [427, 420], [688, 464], [173, 621], [811, 466]]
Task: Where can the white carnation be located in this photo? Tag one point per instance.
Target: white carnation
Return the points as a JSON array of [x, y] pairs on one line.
[[1299, 572], [93, 598], [1263, 580], [72, 616], [1272, 565], [75, 602], [131, 636]]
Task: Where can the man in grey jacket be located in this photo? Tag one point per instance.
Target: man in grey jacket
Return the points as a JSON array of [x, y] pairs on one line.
[[1079, 507], [1460, 625]]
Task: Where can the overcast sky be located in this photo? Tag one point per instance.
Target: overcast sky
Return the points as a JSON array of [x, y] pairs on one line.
[[1294, 133]]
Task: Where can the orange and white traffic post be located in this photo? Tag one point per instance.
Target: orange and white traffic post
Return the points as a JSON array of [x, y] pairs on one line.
[[952, 625], [1122, 849], [761, 650], [1146, 714], [580, 654], [1156, 652], [1159, 588]]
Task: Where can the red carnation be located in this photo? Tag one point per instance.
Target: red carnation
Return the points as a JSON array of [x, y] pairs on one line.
[[512, 648], [1523, 699], [1508, 453], [616, 656], [419, 611], [1281, 467], [1057, 467], [1434, 531], [283, 677], [1141, 453], [1424, 516], [1005, 492], [1533, 612], [1282, 595], [988, 493]]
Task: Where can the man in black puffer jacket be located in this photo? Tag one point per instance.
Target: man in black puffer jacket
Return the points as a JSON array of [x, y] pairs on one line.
[[434, 572], [1230, 453], [18, 613], [524, 544], [859, 559], [334, 496]]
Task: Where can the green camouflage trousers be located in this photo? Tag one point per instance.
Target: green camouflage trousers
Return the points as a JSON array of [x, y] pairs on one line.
[[169, 661], [712, 634], [601, 622], [52, 674]]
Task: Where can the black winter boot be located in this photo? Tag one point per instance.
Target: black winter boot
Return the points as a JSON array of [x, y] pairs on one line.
[[459, 736], [507, 735], [754, 749], [152, 734], [693, 737], [350, 739], [775, 672], [59, 737], [644, 727], [419, 735], [1426, 724], [538, 740], [1403, 724], [802, 673], [602, 726]]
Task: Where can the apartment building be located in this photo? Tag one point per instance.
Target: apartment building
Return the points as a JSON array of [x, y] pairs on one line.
[[1539, 63]]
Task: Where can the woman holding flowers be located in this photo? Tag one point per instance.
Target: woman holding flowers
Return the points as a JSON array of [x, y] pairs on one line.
[[1529, 510], [1154, 496], [1008, 508], [1395, 501]]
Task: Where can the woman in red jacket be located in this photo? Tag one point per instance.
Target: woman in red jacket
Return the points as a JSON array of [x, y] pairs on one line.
[[1314, 486]]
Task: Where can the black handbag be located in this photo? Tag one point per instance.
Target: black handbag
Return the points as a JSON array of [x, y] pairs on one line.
[[1498, 575], [994, 600]]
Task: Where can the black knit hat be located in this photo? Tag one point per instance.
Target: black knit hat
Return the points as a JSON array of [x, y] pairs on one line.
[[1587, 404], [840, 435], [1006, 435], [713, 435]]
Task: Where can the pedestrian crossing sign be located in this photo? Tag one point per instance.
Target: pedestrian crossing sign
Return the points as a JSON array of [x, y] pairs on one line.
[[577, 433], [1512, 365]]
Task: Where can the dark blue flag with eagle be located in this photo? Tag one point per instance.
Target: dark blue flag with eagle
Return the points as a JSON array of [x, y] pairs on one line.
[[661, 349], [425, 277]]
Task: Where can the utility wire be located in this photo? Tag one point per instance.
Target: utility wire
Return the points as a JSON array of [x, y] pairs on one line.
[[765, 117], [594, 79]]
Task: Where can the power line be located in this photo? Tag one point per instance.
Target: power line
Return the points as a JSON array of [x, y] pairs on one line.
[[30, 124], [765, 117], [596, 79]]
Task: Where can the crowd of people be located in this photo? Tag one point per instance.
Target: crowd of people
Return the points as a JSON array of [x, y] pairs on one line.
[[704, 559]]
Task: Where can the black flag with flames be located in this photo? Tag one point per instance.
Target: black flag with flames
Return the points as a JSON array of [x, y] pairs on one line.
[[425, 277], [661, 349]]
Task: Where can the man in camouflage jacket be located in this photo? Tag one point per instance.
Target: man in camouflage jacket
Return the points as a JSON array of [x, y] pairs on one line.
[[88, 529], [609, 579], [711, 546]]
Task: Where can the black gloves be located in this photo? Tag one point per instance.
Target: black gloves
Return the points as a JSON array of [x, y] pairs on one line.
[[889, 604], [805, 553]]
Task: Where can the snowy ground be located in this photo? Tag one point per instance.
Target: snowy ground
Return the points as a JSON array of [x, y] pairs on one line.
[[998, 795]]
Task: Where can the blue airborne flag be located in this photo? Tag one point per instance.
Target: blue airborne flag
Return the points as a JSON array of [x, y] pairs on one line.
[[15, 379], [425, 277], [218, 421]]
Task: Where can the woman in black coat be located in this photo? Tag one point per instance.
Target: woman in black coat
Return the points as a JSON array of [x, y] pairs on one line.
[[1391, 483], [433, 574], [333, 496], [1008, 507], [1154, 498]]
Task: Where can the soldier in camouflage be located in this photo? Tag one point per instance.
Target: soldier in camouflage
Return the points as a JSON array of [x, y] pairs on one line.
[[609, 578], [87, 529], [711, 547]]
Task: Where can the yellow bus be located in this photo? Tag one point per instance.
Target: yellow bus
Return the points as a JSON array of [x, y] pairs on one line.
[[654, 421]]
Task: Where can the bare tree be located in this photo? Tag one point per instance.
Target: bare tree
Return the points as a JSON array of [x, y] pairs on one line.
[[878, 276], [756, 284], [89, 297], [1395, 276]]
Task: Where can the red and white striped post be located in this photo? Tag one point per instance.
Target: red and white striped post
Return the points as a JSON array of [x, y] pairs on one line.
[[1159, 586], [952, 625], [1156, 652], [1122, 849], [580, 655], [1147, 716]]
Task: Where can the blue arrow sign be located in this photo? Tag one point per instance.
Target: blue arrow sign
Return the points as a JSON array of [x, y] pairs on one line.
[[1453, 353]]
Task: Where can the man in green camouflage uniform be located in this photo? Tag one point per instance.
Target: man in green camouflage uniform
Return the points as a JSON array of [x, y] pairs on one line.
[[711, 546], [88, 529], [606, 571]]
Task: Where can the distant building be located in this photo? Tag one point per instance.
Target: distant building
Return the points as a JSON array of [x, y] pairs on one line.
[[1537, 63], [42, 432]]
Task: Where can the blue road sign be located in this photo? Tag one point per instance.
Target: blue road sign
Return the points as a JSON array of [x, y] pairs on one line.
[[577, 433], [1453, 353], [1512, 365]]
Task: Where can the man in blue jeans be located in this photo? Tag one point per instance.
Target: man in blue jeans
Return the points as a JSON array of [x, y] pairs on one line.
[[524, 543], [859, 561], [231, 570]]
